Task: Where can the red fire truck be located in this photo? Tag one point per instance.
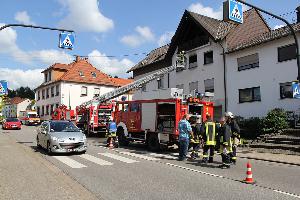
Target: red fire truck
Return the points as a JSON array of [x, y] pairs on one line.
[[155, 121], [92, 119], [63, 113]]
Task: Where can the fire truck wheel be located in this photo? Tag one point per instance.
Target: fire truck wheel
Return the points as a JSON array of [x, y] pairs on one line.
[[152, 142], [121, 137]]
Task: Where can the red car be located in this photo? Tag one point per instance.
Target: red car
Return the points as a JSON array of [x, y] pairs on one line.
[[11, 123]]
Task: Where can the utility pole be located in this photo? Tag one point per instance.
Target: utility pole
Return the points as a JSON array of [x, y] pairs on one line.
[[288, 25]]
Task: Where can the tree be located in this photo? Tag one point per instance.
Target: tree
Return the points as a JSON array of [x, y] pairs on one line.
[[23, 92]]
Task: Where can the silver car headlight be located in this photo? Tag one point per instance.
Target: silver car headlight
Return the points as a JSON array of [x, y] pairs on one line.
[[54, 138]]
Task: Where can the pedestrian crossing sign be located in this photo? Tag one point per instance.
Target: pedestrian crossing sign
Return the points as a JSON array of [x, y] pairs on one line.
[[3, 88], [296, 90], [66, 40], [233, 11]]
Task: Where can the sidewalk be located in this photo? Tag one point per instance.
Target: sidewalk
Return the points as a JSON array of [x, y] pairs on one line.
[[279, 158], [26, 175]]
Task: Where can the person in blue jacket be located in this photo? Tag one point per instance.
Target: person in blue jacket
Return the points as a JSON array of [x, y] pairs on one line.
[[112, 138]]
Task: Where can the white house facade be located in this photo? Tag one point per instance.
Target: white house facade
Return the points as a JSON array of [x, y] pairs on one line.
[[15, 106], [71, 85]]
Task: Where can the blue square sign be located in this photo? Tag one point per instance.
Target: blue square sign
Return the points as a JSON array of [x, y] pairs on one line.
[[296, 90], [3, 88], [66, 40], [235, 11]]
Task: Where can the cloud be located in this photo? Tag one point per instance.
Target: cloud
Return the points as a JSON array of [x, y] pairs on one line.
[[207, 11], [23, 18], [85, 16], [143, 35], [165, 38], [110, 66], [8, 43], [278, 26], [19, 77]]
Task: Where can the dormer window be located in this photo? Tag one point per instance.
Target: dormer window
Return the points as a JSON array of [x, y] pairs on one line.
[[94, 75], [81, 73]]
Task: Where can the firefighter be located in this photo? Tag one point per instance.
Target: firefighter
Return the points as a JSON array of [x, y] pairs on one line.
[[112, 133], [224, 132], [235, 138], [208, 131], [195, 140]]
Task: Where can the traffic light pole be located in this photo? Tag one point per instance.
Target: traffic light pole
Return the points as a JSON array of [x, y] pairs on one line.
[[32, 26], [289, 26]]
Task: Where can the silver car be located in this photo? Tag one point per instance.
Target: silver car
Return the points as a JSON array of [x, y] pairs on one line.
[[61, 137]]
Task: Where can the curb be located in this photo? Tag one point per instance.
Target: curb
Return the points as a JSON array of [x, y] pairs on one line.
[[273, 161]]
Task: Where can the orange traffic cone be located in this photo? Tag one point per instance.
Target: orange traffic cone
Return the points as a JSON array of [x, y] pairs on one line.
[[249, 178], [111, 145]]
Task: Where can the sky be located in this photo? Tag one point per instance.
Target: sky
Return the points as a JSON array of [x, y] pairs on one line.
[[114, 34]]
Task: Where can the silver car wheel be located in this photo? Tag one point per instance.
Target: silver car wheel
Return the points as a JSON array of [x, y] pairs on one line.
[[49, 148]]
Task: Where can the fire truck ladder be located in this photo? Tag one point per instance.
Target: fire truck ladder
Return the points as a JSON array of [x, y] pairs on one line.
[[136, 84]]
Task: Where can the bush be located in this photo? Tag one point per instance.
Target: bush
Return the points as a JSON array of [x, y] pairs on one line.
[[275, 121], [250, 128]]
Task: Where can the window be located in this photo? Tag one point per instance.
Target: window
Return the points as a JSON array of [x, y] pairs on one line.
[[208, 57], [49, 76], [43, 94], [81, 73], [160, 82], [286, 52], [46, 77], [286, 90], [83, 91], [57, 90], [144, 88], [43, 112], [38, 110], [134, 107], [181, 86], [47, 93], [51, 108], [249, 94], [47, 110], [94, 75], [56, 105], [38, 95], [193, 87], [96, 92], [248, 62], [209, 85], [125, 107], [193, 61], [52, 91]]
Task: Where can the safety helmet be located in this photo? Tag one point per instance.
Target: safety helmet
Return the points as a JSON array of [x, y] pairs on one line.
[[229, 114]]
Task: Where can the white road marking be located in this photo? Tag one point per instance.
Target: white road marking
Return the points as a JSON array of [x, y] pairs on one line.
[[139, 156], [119, 158], [95, 160], [166, 156], [286, 193], [70, 162]]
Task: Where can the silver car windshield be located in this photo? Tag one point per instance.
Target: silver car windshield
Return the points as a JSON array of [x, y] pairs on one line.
[[63, 127]]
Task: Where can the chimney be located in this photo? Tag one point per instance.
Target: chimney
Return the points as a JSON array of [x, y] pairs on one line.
[[77, 58], [298, 14]]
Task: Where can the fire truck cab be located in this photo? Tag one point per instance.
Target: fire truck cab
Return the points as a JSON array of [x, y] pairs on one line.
[[63, 113], [155, 121]]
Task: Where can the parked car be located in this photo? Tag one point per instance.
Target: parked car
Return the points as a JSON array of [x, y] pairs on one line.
[[61, 137], [11, 123]]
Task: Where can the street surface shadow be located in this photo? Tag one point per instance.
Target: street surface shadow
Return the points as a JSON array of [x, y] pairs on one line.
[[25, 142], [39, 150], [206, 165]]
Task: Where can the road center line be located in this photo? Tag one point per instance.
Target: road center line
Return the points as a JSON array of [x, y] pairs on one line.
[[70, 162]]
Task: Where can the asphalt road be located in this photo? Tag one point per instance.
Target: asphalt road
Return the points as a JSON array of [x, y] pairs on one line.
[[134, 173]]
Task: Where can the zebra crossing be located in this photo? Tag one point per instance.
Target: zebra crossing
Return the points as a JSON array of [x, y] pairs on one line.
[[101, 158]]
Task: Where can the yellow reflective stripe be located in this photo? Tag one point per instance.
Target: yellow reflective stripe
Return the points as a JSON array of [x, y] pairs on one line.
[[210, 138]]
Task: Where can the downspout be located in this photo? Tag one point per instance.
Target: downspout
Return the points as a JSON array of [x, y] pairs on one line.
[[224, 78]]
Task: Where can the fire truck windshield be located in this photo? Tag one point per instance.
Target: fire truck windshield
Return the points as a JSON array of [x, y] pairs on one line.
[[195, 109], [32, 115]]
